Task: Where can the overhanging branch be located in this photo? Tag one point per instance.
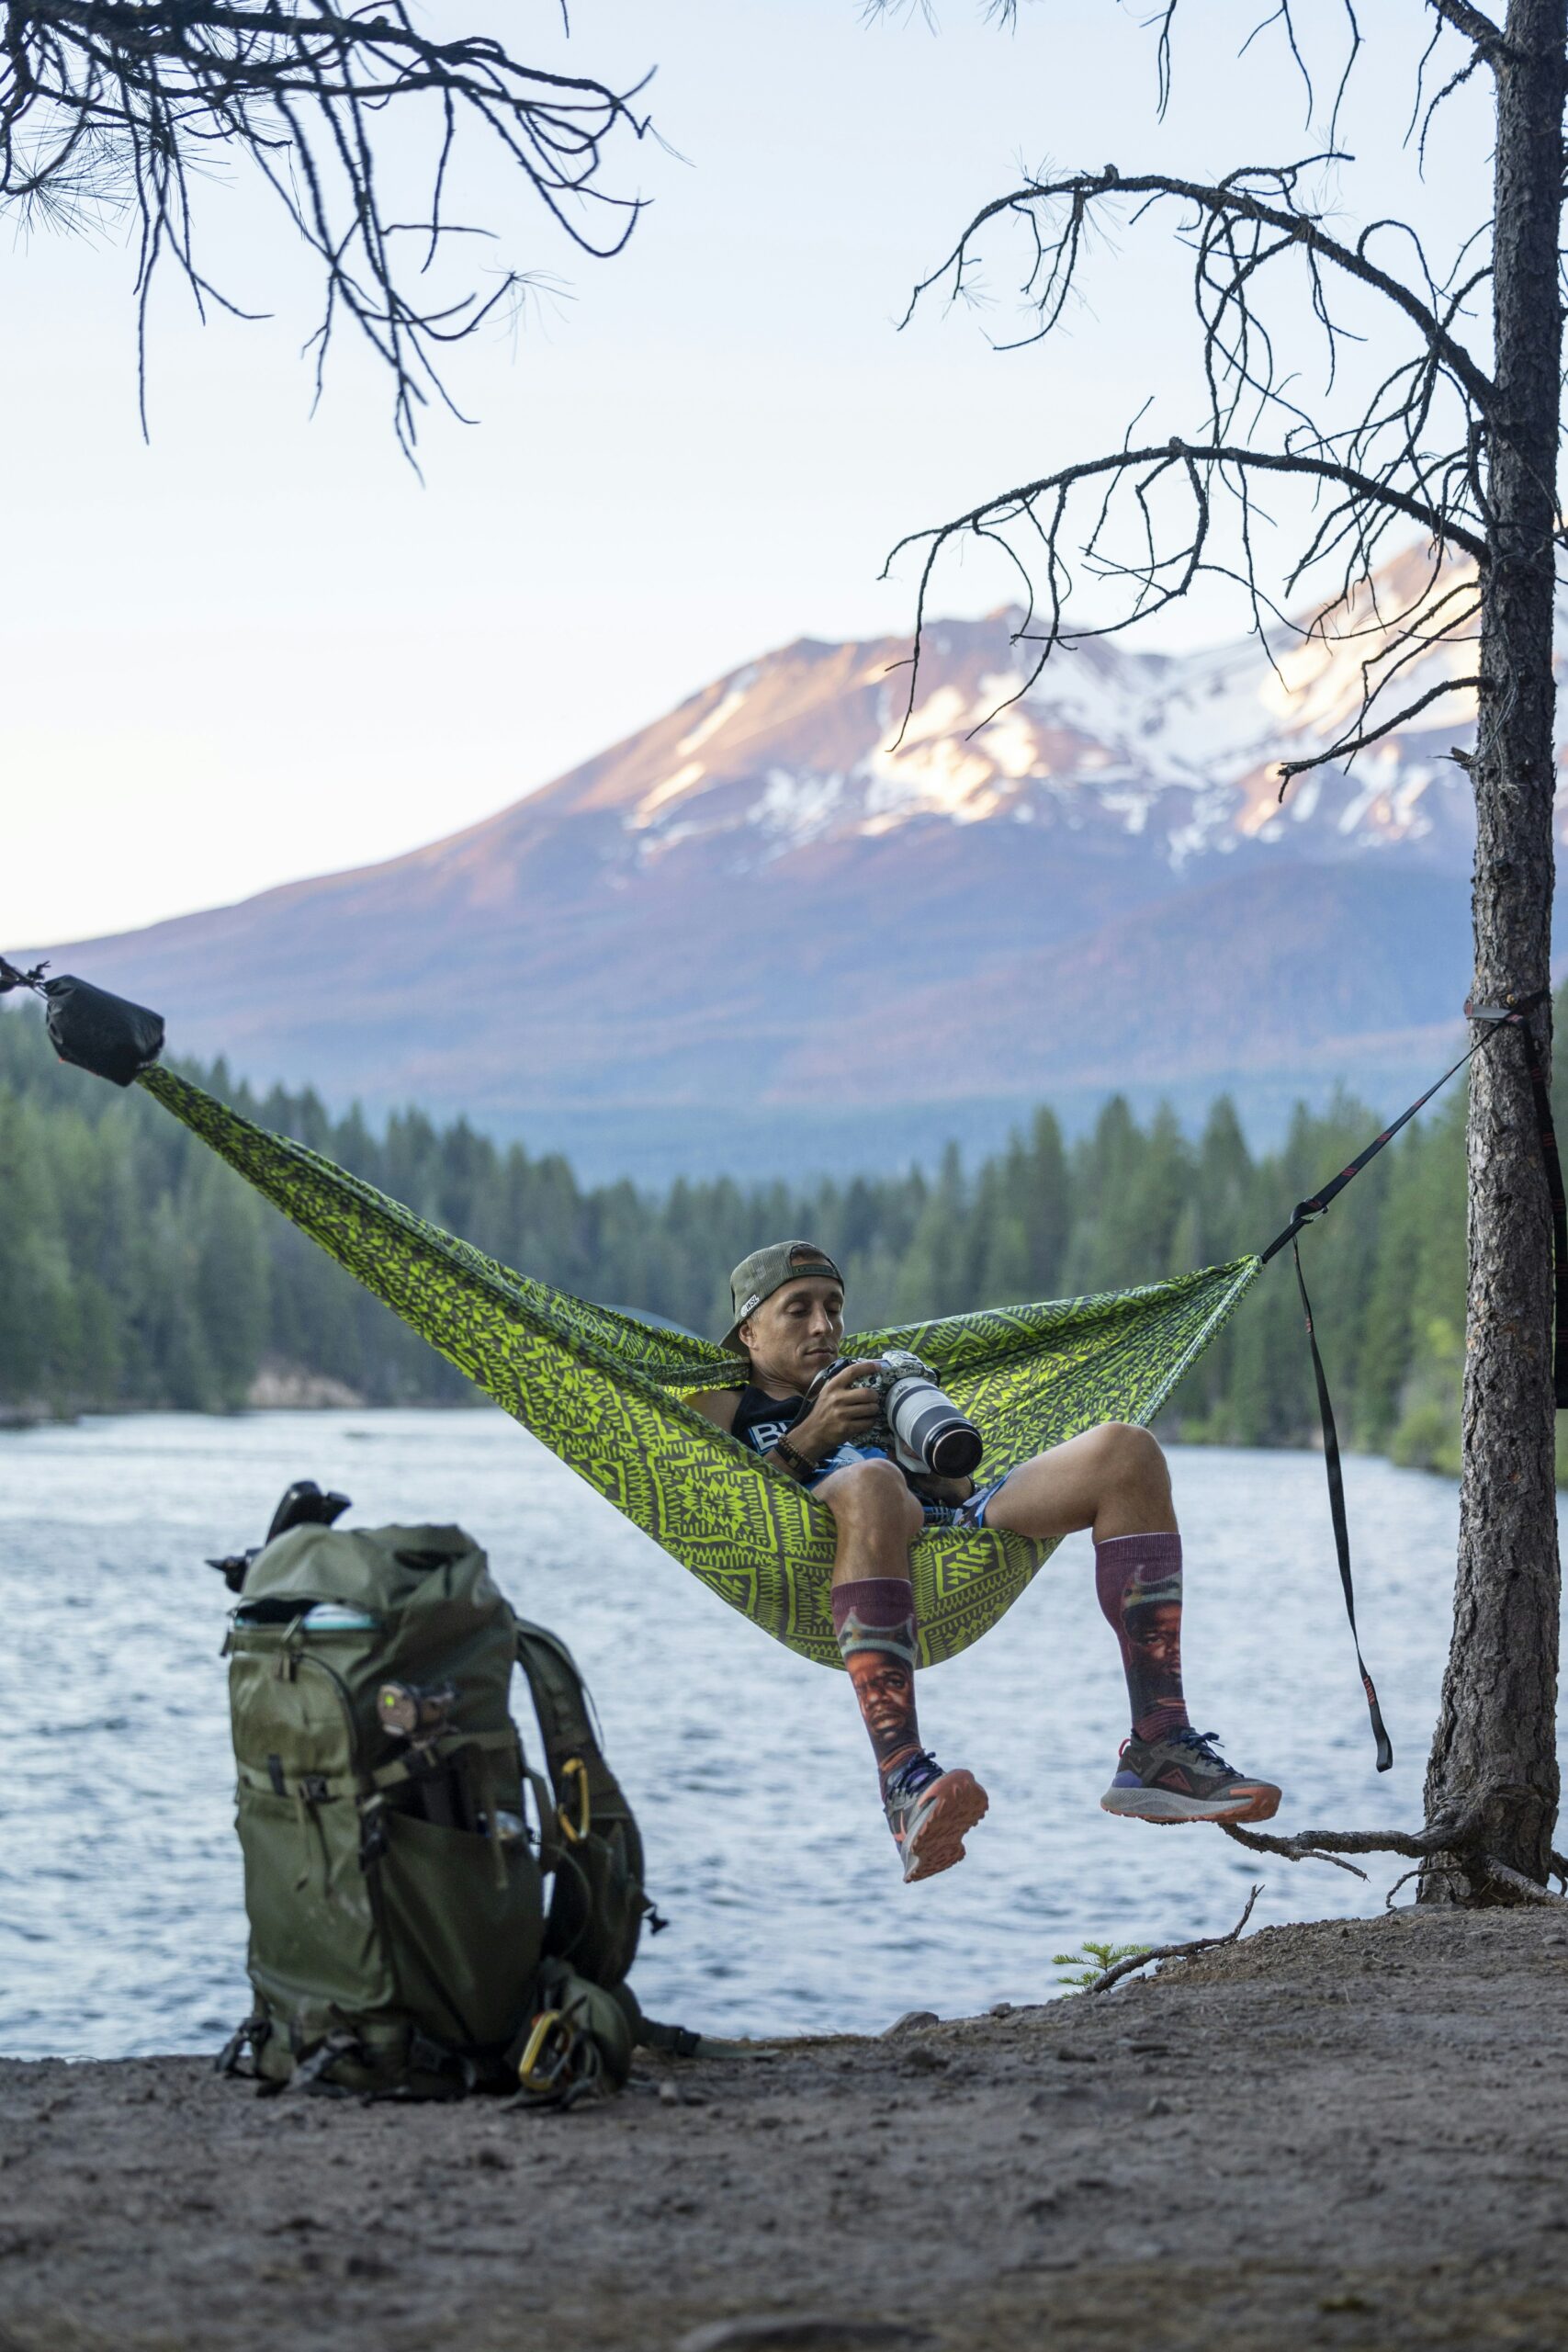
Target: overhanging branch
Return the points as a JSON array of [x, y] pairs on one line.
[[1347, 748], [108, 109], [1234, 198], [1282, 462]]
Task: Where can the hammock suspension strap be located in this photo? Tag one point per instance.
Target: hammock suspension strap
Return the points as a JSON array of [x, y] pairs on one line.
[[1513, 1014]]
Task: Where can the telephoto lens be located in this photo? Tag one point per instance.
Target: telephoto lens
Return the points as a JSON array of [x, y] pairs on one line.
[[928, 1431]]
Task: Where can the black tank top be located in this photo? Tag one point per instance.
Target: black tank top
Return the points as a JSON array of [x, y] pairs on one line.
[[760, 1420]]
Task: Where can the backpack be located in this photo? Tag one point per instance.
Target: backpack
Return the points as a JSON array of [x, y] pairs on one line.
[[401, 1938]]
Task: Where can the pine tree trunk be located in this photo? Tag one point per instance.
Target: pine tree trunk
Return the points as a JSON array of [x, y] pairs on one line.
[[1495, 1747]]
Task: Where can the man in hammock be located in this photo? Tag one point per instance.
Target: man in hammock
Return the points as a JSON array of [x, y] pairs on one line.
[[788, 1306]]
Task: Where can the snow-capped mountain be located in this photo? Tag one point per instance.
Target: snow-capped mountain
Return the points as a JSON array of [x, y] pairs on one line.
[[808, 898]]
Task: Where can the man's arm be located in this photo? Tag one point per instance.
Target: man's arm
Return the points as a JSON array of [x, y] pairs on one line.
[[716, 1405], [719, 1405], [840, 1412]]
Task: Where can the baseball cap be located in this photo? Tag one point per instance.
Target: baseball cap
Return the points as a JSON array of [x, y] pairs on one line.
[[766, 1271]]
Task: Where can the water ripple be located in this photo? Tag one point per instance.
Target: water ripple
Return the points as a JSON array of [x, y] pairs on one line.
[[122, 1929]]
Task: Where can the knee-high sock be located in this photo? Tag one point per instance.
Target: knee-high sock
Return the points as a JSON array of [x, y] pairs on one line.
[[875, 1620], [1138, 1581]]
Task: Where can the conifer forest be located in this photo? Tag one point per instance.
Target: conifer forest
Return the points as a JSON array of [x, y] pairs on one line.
[[137, 1271]]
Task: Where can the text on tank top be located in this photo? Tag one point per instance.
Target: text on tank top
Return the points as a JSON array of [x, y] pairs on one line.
[[760, 1420]]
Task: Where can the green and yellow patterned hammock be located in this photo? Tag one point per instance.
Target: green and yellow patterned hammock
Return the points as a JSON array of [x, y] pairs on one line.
[[605, 1391]]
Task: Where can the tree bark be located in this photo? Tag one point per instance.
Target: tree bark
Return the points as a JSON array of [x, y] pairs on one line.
[[1495, 1747]]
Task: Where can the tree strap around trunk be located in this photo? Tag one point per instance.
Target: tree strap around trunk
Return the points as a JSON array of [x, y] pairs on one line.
[[1513, 1014]]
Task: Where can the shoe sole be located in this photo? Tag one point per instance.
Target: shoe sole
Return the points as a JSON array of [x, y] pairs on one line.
[[1254, 1801], [959, 1803]]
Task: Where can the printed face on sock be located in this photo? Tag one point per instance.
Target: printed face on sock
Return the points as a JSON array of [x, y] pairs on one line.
[[1155, 1632], [885, 1689], [1154, 1654]]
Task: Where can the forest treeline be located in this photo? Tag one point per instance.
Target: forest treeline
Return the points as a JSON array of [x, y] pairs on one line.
[[137, 1270]]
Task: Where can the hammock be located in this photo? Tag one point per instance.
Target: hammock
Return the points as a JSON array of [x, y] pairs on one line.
[[605, 1391]]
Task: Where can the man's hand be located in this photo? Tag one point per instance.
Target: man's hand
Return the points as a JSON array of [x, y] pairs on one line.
[[841, 1414]]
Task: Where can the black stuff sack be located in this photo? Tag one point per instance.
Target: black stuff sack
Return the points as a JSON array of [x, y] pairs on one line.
[[96, 1031]]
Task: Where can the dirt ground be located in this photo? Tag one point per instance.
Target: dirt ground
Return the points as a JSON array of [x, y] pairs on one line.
[[1346, 2136]]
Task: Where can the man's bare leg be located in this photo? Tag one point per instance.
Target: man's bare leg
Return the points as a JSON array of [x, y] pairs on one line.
[[929, 1811], [1115, 1481]]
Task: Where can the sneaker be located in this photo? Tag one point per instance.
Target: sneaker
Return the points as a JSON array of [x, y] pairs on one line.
[[930, 1820], [1185, 1778]]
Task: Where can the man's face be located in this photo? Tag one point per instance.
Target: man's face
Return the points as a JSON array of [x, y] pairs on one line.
[[885, 1689], [1157, 1632], [791, 1336]]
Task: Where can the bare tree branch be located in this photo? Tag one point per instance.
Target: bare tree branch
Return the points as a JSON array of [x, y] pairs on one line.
[[1477, 26], [1135, 1960], [1415, 449], [113, 107], [1233, 199], [1327, 1845], [1523, 1890], [1161, 579], [1379, 493], [1345, 749], [1462, 1840]]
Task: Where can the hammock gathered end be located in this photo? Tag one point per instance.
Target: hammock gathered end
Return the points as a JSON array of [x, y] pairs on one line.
[[605, 1391]]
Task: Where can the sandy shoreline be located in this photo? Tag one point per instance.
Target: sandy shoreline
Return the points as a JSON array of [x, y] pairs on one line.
[[1343, 2134]]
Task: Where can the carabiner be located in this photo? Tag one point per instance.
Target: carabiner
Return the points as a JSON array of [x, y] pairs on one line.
[[543, 2080], [575, 1769]]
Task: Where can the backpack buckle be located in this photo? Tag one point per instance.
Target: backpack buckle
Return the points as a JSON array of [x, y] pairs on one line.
[[372, 1830], [250, 2035]]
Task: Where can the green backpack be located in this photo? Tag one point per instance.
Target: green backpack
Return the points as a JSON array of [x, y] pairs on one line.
[[402, 1941]]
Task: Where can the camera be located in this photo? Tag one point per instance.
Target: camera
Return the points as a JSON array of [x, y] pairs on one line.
[[919, 1426]]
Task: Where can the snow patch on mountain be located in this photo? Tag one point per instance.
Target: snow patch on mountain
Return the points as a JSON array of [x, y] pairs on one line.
[[1180, 754], [721, 714], [667, 789], [793, 809]]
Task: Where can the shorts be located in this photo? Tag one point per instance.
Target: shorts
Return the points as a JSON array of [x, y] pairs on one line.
[[969, 1513]]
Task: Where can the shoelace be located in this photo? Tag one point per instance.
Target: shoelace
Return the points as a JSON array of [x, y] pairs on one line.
[[1203, 1743], [918, 1773]]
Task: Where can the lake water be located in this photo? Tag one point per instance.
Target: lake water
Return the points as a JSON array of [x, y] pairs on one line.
[[121, 1925]]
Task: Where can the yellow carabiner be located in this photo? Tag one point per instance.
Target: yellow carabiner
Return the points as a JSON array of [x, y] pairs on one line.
[[532, 2076], [575, 1769]]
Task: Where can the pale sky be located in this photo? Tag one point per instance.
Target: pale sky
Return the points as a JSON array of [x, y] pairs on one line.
[[259, 649]]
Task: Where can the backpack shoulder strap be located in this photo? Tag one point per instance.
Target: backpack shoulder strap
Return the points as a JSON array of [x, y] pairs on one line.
[[559, 1695], [597, 1904], [586, 1789]]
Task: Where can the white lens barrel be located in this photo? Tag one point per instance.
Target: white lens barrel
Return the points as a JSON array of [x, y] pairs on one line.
[[930, 1428]]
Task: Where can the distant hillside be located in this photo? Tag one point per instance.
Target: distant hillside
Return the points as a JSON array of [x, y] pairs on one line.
[[137, 1270], [758, 933]]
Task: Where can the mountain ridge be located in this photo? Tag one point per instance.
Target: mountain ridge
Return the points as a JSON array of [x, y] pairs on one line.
[[770, 902]]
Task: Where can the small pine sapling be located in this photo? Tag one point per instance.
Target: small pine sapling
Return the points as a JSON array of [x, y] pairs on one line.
[[1091, 1964]]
